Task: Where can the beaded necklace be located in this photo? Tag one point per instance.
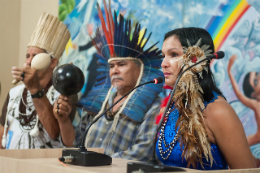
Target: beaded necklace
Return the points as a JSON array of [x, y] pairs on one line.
[[27, 120], [169, 147], [30, 119]]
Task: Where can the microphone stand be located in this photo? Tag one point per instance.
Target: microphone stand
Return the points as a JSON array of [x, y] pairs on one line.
[[153, 165], [89, 158]]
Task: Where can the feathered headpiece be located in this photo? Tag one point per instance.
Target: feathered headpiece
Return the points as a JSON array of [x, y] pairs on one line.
[[189, 101], [116, 41]]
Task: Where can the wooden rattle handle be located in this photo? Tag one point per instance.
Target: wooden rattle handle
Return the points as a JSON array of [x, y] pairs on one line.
[[15, 81]]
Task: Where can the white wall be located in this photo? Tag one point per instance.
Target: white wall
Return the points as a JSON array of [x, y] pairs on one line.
[[18, 18]]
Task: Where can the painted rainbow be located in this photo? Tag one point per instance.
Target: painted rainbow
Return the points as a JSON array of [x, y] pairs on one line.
[[220, 27]]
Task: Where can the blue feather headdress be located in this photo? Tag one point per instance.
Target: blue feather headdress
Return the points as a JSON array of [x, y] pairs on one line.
[[115, 41]]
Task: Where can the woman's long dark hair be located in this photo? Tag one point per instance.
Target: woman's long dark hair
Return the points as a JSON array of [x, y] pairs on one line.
[[193, 35]]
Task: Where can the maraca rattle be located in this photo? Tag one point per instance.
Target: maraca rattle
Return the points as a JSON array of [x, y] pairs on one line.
[[68, 79], [41, 61]]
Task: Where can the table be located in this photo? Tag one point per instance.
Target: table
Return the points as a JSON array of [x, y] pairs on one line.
[[46, 161]]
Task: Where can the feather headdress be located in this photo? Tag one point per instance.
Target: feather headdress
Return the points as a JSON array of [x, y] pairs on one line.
[[189, 101], [115, 41]]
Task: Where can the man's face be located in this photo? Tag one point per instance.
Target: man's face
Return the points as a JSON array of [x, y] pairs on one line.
[[31, 52], [124, 74]]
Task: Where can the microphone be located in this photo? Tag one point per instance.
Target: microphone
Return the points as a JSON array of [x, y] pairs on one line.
[[217, 55], [83, 157], [158, 80], [153, 167]]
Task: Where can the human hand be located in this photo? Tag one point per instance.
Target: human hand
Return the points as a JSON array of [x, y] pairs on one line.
[[31, 80], [17, 72], [231, 62], [62, 109]]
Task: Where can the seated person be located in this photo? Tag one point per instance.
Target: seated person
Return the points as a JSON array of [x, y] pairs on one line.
[[128, 129], [27, 113], [200, 130]]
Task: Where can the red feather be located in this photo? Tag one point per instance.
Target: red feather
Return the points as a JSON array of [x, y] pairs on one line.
[[108, 29], [111, 21]]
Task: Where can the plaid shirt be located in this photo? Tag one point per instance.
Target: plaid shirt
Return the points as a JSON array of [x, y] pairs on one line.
[[131, 140]]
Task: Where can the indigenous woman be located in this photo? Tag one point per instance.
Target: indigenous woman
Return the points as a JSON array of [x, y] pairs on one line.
[[200, 129]]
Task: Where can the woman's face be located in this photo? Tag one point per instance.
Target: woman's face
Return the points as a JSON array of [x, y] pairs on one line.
[[172, 52]]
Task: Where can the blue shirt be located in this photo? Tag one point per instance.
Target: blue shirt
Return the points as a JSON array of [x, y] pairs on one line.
[[175, 159]]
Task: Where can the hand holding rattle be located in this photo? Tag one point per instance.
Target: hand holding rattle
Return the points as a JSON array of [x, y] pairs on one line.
[[41, 61]]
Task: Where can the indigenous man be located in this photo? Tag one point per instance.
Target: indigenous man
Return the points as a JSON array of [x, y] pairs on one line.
[[126, 131], [27, 113]]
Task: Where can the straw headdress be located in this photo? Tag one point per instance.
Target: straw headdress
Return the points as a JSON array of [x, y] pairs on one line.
[[50, 34]]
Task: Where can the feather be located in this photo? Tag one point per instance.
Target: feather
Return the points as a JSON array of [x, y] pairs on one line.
[[189, 45], [206, 69], [189, 102], [106, 29], [115, 39], [198, 43]]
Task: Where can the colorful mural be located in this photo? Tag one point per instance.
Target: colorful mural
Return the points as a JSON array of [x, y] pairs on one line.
[[237, 74], [233, 24]]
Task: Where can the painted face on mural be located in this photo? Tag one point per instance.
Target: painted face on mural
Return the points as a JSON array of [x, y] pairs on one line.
[[124, 74], [172, 52], [254, 81]]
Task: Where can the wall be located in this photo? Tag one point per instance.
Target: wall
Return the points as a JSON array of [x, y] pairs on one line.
[[9, 42], [18, 19]]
